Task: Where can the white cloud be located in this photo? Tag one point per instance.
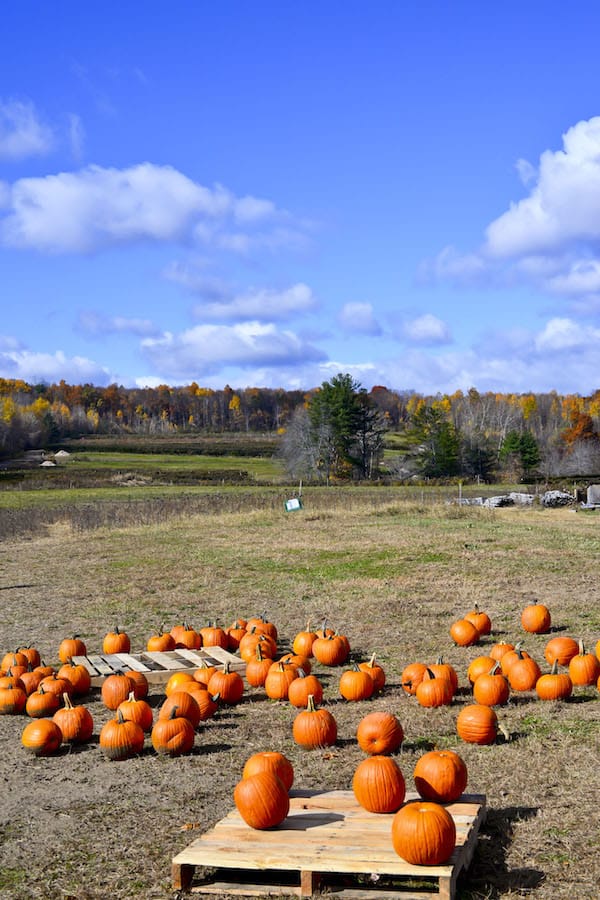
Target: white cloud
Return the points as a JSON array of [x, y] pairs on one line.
[[79, 212], [210, 348], [359, 318], [427, 329], [51, 367], [564, 205], [577, 278], [22, 133], [261, 305], [98, 324], [565, 334]]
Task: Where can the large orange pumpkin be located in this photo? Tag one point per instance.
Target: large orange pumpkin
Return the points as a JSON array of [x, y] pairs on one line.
[[262, 800], [440, 776], [378, 784], [423, 833]]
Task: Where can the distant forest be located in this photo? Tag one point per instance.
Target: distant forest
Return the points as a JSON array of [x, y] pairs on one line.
[[478, 435]]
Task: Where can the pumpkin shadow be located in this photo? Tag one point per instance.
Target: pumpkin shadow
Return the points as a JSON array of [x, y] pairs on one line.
[[489, 874], [202, 749]]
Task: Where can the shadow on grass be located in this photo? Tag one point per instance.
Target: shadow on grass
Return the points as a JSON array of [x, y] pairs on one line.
[[489, 875]]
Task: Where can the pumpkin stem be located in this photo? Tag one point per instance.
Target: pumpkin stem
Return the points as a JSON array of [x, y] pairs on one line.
[[371, 662], [131, 697], [581, 647], [67, 701], [310, 703]]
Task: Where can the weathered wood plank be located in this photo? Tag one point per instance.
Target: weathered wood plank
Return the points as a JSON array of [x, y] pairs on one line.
[[327, 835]]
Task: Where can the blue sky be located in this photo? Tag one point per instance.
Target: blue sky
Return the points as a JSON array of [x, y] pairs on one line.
[[263, 193]]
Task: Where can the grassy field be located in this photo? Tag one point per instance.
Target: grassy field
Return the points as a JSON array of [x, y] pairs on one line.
[[390, 573]]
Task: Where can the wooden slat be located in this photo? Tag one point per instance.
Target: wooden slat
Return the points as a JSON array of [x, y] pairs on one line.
[[198, 657], [87, 663], [327, 833], [128, 661], [166, 660], [102, 667]]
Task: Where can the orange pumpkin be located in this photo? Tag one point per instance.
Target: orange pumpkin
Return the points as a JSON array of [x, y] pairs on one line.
[[379, 733], [423, 833], [378, 784], [536, 618], [41, 737], [262, 800], [270, 761], [314, 727], [440, 776], [477, 724]]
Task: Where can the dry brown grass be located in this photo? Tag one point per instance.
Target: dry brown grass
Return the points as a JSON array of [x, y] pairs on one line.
[[393, 577]]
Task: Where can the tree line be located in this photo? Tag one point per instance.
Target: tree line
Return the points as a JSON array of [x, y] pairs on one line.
[[338, 430]]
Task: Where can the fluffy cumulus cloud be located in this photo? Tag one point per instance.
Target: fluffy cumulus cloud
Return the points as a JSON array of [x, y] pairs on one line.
[[206, 349], [22, 134], [563, 207], [426, 329], [96, 207], [551, 237], [35, 367], [359, 318]]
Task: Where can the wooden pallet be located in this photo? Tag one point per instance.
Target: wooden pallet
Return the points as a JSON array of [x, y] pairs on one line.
[[329, 843], [157, 667]]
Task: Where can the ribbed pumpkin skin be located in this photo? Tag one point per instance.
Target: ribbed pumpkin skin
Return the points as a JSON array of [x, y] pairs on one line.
[[379, 733], [302, 688], [423, 833], [270, 761], [356, 685], [584, 668], [491, 689], [75, 722], [440, 776], [314, 728], [561, 649], [378, 784], [173, 737], [262, 800], [12, 700], [228, 685], [477, 724], [115, 688], [555, 685], [120, 739]]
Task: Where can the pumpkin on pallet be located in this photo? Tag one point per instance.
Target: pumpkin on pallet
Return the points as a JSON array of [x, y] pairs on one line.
[[378, 784], [423, 833]]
